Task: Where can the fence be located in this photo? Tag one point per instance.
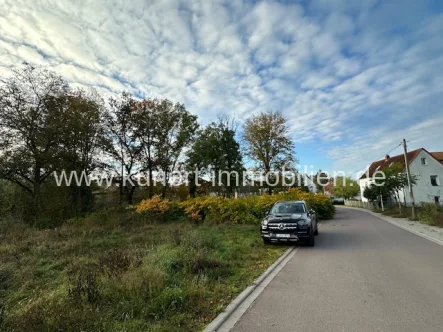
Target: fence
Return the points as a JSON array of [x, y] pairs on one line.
[[360, 204], [370, 205]]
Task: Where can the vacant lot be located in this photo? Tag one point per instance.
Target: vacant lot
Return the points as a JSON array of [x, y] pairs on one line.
[[116, 271]]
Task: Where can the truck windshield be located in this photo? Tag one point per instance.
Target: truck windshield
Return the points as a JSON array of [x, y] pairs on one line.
[[286, 208]]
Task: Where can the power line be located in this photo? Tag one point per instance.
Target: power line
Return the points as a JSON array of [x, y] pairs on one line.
[[408, 173], [379, 158]]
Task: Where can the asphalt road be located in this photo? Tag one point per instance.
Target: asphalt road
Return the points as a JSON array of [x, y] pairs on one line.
[[363, 274]]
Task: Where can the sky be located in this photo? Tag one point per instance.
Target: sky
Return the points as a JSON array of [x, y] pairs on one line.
[[353, 77]]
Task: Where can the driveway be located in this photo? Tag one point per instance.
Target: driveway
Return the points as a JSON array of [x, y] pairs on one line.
[[364, 274]]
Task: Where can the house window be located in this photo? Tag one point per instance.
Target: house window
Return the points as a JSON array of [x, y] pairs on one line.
[[435, 180], [437, 199], [424, 161]]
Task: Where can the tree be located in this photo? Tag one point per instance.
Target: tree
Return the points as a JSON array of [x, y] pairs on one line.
[[345, 187], [124, 144], [371, 193], [396, 180], [320, 179], [83, 142], [216, 149], [147, 113], [33, 120], [176, 129], [267, 140]]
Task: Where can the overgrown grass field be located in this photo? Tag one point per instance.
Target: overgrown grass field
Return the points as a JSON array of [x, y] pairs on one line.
[[116, 271]]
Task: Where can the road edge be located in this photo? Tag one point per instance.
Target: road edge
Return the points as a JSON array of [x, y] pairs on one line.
[[387, 219], [249, 294]]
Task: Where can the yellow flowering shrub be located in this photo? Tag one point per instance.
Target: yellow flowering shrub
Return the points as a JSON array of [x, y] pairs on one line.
[[153, 205], [245, 210], [251, 209]]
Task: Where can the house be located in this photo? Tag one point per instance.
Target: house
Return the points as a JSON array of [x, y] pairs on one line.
[[438, 156], [427, 166], [327, 189], [310, 184]]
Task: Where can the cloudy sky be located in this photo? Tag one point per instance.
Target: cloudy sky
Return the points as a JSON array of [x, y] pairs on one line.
[[353, 77]]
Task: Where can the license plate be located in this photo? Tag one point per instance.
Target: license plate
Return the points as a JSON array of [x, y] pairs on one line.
[[283, 235]]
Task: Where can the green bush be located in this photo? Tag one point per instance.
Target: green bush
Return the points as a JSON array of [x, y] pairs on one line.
[[175, 212], [216, 209], [431, 214], [252, 209]]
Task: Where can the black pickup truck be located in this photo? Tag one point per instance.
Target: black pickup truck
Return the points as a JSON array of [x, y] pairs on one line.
[[290, 221]]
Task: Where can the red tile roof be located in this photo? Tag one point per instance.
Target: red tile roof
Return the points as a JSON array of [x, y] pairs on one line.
[[438, 156], [381, 164]]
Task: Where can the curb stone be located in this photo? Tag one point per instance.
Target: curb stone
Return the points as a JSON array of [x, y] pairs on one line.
[[216, 324]]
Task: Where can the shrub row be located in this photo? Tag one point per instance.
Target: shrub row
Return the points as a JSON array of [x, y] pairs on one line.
[[246, 210]]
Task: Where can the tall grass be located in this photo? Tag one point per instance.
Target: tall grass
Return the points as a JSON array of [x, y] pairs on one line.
[[431, 214], [118, 271], [428, 213]]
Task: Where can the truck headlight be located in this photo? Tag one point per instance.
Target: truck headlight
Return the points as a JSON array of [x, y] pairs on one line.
[[264, 222], [304, 222]]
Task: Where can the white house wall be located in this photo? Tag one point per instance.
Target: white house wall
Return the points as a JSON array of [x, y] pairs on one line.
[[423, 190]]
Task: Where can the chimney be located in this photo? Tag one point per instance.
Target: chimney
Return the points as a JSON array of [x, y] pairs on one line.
[[387, 157]]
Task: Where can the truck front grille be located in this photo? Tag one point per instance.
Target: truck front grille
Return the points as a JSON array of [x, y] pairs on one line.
[[282, 226]]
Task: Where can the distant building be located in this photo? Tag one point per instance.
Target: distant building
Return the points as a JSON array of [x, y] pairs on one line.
[[327, 189], [310, 184], [427, 166]]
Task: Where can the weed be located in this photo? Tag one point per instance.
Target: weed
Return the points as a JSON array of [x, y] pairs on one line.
[[118, 271], [202, 261], [431, 214], [176, 236], [2, 313], [84, 285], [115, 261], [4, 280]]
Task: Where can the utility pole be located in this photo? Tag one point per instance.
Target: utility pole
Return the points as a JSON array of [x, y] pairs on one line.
[[408, 173]]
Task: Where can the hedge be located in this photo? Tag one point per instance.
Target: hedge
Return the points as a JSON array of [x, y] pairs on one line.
[[246, 210]]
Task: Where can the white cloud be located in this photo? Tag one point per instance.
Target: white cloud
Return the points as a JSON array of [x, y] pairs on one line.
[[344, 72]]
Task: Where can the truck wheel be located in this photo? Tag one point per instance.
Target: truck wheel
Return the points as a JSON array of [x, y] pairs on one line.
[[316, 231], [311, 240]]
